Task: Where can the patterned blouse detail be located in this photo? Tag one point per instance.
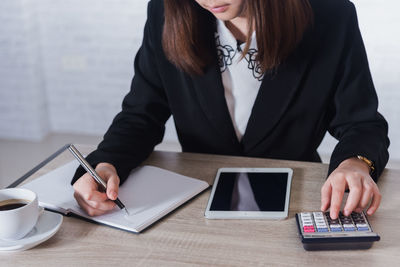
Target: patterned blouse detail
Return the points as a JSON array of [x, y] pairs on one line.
[[241, 76]]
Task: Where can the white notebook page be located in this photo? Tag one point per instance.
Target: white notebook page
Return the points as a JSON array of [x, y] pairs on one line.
[[149, 193]]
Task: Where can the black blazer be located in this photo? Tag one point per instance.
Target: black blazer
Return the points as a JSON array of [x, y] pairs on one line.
[[325, 85]]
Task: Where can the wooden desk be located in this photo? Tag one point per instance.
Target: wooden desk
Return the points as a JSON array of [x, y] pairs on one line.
[[185, 237]]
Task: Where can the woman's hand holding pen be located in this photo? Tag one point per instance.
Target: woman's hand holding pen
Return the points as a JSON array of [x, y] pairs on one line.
[[351, 174], [90, 198]]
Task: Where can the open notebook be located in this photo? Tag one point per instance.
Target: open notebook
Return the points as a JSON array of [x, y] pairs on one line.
[[149, 193]]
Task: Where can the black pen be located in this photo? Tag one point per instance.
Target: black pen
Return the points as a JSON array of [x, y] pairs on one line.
[[93, 173]]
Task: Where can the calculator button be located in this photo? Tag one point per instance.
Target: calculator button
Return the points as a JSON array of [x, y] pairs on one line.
[[359, 221], [318, 215], [357, 218], [308, 229], [349, 227], [335, 227], [346, 219], [362, 227], [323, 229]]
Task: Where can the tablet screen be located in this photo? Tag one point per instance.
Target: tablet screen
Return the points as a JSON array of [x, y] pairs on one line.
[[255, 191]]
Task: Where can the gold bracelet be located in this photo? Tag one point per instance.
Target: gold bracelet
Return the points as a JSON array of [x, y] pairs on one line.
[[369, 163]]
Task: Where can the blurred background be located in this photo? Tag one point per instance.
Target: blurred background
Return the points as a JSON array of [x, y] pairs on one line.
[[65, 66]]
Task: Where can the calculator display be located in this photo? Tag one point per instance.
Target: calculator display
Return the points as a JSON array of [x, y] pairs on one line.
[[255, 191]]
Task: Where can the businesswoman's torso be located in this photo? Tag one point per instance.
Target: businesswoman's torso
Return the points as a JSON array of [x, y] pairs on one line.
[[324, 85], [295, 105]]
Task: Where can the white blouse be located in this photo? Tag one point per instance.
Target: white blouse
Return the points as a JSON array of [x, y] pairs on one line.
[[241, 78]]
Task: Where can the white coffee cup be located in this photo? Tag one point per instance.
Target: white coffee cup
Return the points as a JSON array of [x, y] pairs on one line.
[[15, 223]]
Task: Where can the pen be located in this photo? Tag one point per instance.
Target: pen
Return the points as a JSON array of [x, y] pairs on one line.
[[93, 173]]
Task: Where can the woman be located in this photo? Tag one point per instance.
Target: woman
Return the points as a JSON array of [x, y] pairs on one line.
[[256, 78]]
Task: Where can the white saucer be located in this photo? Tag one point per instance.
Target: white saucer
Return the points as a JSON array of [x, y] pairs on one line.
[[46, 226]]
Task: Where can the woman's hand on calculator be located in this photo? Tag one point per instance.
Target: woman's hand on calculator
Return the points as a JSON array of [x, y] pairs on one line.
[[351, 174]]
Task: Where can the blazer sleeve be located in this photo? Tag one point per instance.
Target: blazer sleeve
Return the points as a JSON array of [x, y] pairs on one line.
[[141, 124], [356, 123]]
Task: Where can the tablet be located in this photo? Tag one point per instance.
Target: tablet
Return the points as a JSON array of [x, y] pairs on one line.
[[250, 193]]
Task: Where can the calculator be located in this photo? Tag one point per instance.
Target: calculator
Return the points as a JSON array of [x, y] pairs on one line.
[[319, 232]]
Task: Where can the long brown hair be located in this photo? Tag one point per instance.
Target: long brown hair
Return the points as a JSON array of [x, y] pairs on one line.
[[279, 26]]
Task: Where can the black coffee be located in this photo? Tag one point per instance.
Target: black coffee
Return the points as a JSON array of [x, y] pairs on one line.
[[12, 204]]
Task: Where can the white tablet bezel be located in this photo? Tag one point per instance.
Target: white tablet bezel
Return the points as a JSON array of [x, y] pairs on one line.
[[209, 214]]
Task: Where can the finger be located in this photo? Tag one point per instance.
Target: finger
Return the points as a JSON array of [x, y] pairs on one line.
[[358, 209], [326, 192], [97, 200], [376, 201], [88, 209], [355, 188], [88, 189], [94, 196], [367, 195], [104, 205], [112, 187], [338, 188], [85, 184]]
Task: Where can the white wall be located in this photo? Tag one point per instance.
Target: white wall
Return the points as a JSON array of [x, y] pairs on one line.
[[23, 111], [65, 65]]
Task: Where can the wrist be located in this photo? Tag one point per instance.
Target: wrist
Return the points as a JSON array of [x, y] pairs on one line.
[[355, 162], [369, 163], [106, 165]]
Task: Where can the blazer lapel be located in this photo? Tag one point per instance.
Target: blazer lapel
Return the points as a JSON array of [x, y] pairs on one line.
[[275, 94], [211, 95]]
